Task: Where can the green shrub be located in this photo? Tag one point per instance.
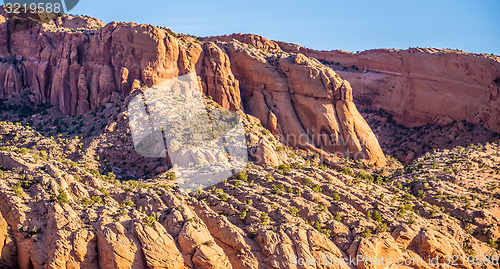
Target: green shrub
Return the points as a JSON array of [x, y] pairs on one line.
[[224, 197], [308, 182], [317, 189], [278, 189], [242, 175], [381, 228], [336, 197], [367, 233], [252, 235], [376, 216], [130, 203], [347, 171], [284, 169], [317, 226], [62, 197], [243, 215], [492, 243], [264, 218], [87, 202], [18, 190], [368, 215], [97, 200], [150, 220], [365, 176], [420, 194], [104, 192]]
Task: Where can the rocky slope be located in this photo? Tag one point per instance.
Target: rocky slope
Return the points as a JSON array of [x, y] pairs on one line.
[[75, 198], [79, 65], [417, 86], [75, 194]]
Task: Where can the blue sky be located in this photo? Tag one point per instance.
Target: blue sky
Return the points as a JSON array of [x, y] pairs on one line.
[[354, 25]]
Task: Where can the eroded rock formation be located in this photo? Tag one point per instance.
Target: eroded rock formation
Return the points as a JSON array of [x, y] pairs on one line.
[[417, 86], [79, 65]]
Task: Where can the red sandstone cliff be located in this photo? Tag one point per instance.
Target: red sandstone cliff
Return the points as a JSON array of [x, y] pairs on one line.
[[78, 64], [417, 86]]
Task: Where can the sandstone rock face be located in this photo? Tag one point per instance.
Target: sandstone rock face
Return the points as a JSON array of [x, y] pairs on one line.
[[78, 66], [421, 87], [417, 86], [303, 102]]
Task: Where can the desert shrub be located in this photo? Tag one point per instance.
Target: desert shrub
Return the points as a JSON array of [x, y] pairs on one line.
[[420, 194], [377, 217], [62, 197], [150, 220], [317, 226], [401, 211], [87, 202], [337, 217], [317, 189], [294, 211], [224, 197], [264, 218], [104, 192], [432, 213], [242, 175], [492, 243], [22, 151], [368, 214], [97, 200], [243, 213], [308, 182], [252, 235], [406, 196], [130, 203], [43, 154], [347, 171], [365, 176], [367, 233], [336, 197], [296, 165], [18, 190], [278, 189], [284, 169], [381, 228]]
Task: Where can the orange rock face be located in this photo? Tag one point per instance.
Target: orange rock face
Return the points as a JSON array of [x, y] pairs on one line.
[[417, 86], [300, 100]]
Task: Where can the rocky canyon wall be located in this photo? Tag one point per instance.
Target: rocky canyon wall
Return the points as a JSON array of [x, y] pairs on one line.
[[79, 64], [417, 86]]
